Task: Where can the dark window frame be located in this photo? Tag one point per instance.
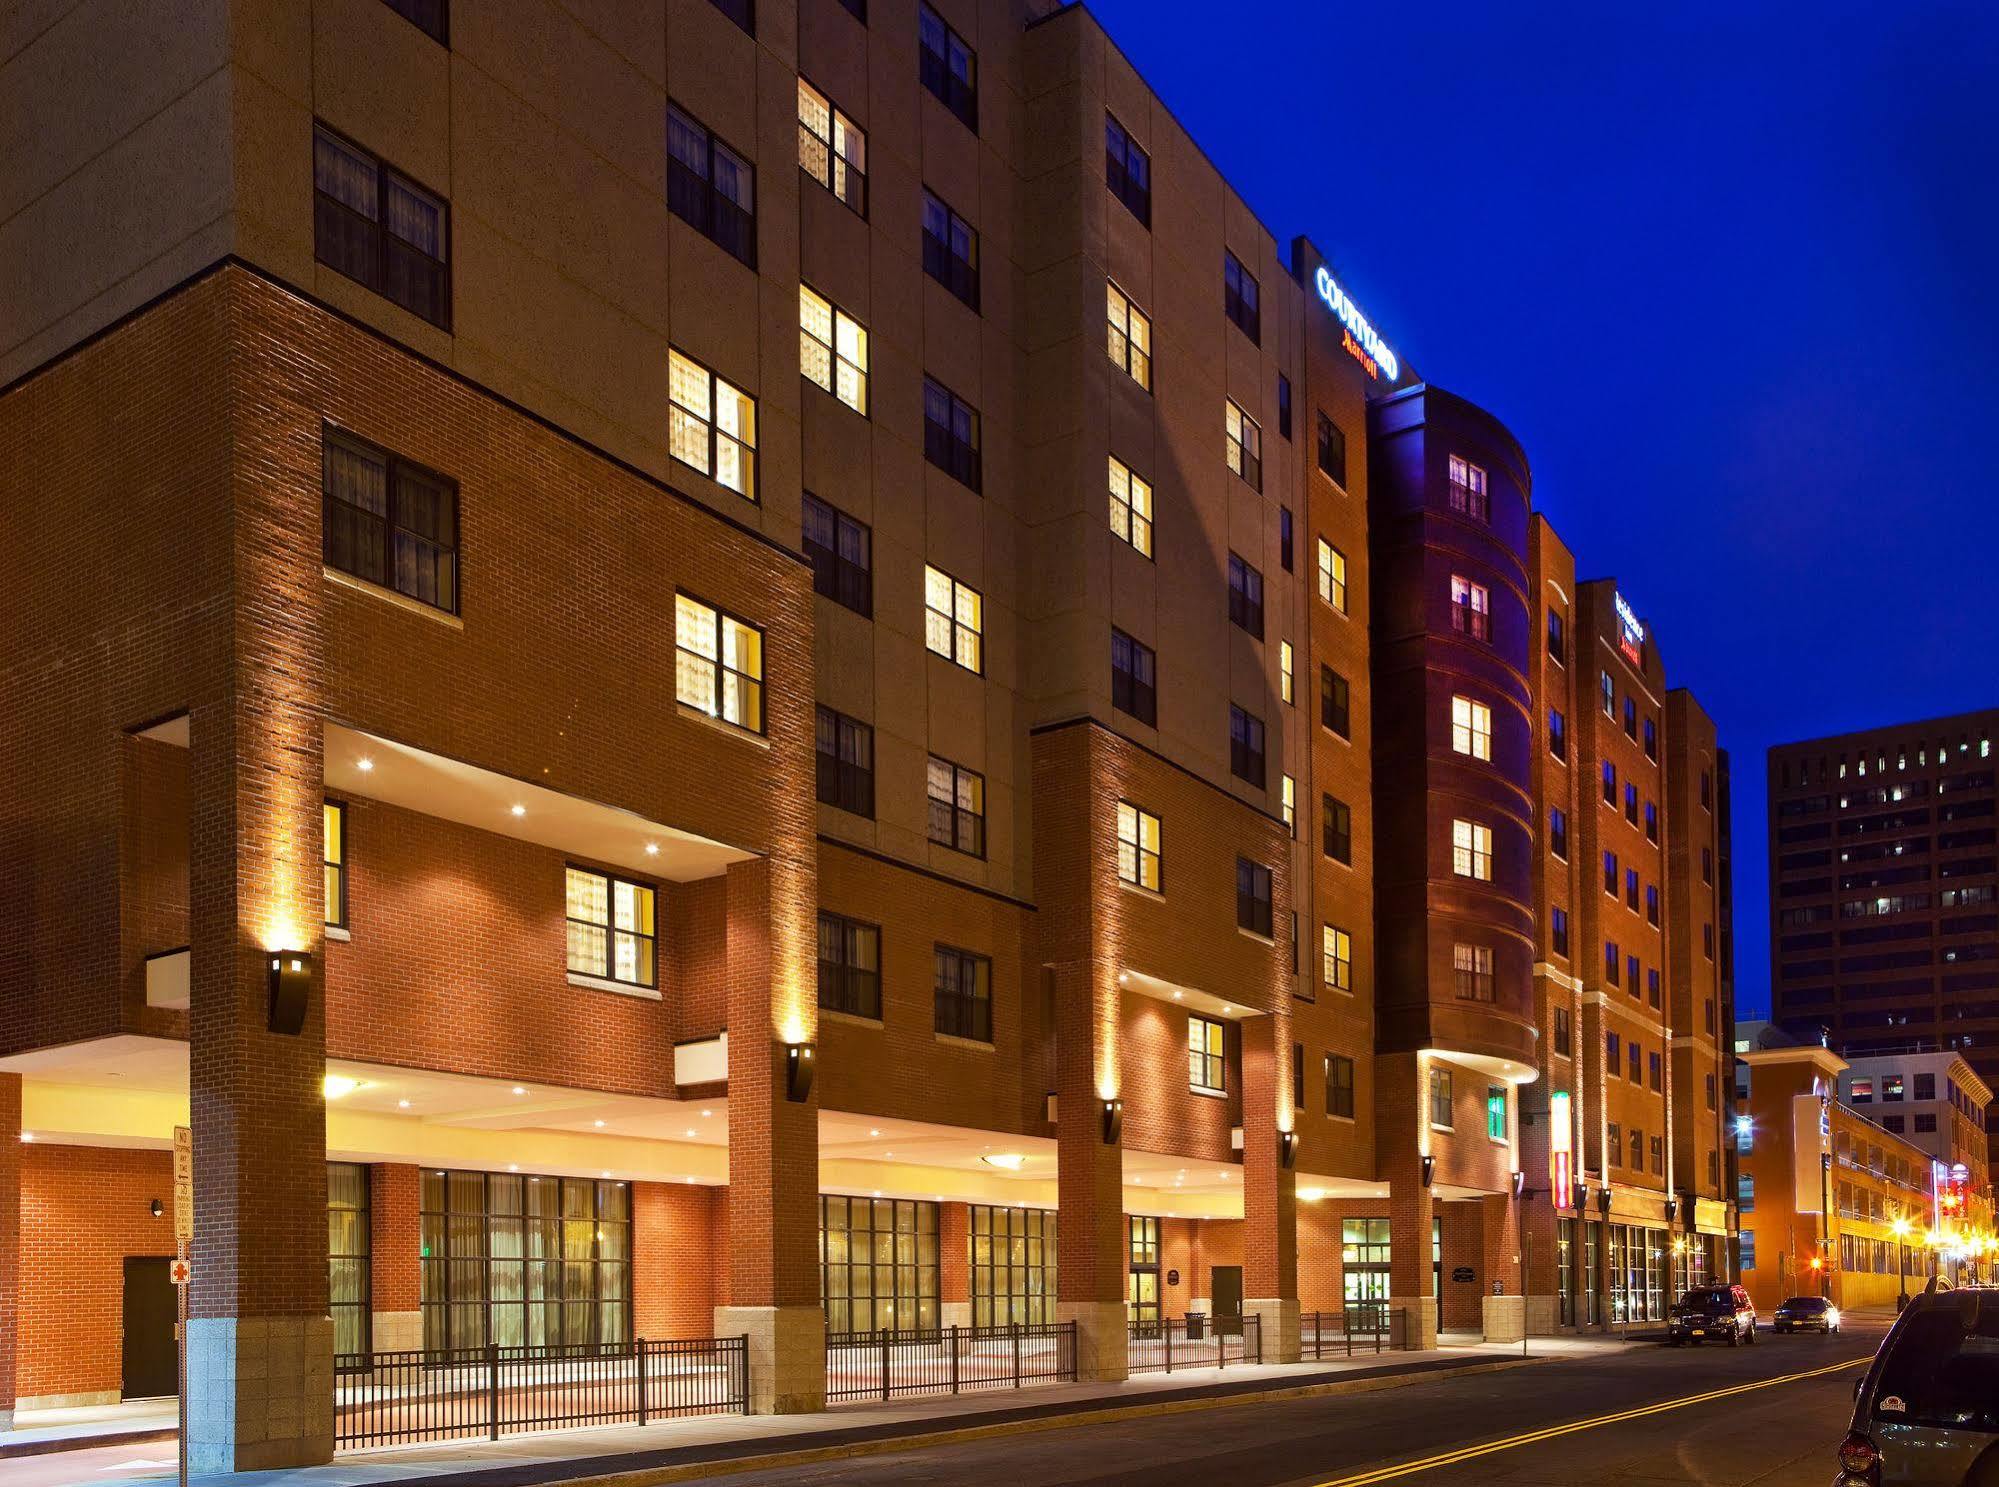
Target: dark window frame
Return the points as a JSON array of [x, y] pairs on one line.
[[335, 869], [845, 181], [1254, 910], [397, 472], [1131, 188], [742, 12], [1131, 695], [1336, 829], [696, 200], [943, 445], [856, 990], [432, 18], [936, 71], [1335, 702], [1339, 1086], [1245, 596], [1332, 450], [1242, 298], [612, 882], [330, 214], [847, 580], [966, 1004], [1248, 760], [941, 261], [959, 814], [843, 782]]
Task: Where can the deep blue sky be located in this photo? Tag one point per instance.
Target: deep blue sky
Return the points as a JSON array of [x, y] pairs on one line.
[[1727, 271]]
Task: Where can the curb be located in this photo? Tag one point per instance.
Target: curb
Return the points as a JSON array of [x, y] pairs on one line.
[[49, 1445], [661, 1475]]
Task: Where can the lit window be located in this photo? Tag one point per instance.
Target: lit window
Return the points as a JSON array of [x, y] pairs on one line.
[[1471, 728], [1468, 493], [1131, 507], [719, 664], [1332, 575], [1137, 846], [1471, 608], [833, 349], [1471, 850], [714, 425], [1495, 1111], [954, 620], [334, 831], [611, 931], [1471, 972], [1245, 440], [1336, 958], [957, 807], [1290, 802], [1207, 1061], [1129, 335], [1284, 680], [830, 149]]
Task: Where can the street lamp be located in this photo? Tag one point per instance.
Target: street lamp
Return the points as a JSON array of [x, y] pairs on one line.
[[1901, 1228]]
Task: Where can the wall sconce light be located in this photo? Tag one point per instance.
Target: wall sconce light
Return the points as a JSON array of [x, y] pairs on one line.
[[1287, 1149], [1672, 1209], [1578, 1196], [1519, 1184], [156, 1208], [797, 1072], [1113, 1122], [291, 990], [1603, 1200], [1429, 1169]]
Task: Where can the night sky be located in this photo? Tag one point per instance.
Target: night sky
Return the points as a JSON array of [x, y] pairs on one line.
[[1728, 273]]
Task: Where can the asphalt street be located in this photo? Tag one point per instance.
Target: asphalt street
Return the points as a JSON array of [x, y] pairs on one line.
[[1777, 1432]]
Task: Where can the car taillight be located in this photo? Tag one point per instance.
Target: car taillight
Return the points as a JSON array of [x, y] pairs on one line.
[[1857, 1454]]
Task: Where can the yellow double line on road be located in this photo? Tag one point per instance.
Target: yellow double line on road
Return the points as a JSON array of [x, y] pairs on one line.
[[1468, 1453]]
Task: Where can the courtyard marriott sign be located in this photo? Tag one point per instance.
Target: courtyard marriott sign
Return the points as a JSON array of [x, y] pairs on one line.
[[1363, 342]]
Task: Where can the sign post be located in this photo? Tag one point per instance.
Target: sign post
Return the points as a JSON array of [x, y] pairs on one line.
[[182, 1271]]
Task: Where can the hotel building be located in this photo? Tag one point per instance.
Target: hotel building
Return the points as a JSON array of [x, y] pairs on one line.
[[780, 652], [1884, 891]]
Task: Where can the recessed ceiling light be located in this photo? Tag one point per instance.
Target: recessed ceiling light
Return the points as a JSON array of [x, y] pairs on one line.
[[874, 1133], [402, 1104], [690, 1133], [364, 764], [1176, 996], [652, 849], [607, 1173], [519, 809], [706, 1114], [338, 1086], [598, 1124], [27, 1135], [520, 1089], [1006, 1161], [513, 1167]]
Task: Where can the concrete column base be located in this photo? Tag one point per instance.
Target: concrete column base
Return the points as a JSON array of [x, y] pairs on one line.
[[1505, 1318], [956, 1314], [1103, 1339], [396, 1331], [1543, 1316], [1421, 1312], [260, 1393], [787, 1355], [1277, 1327], [7, 1418]]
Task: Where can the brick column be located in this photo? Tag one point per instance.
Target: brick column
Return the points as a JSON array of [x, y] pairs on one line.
[[10, 1244], [773, 1204], [1401, 1125], [954, 1264], [260, 1341], [1090, 1232], [1504, 1310], [395, 1256], [1269, 1188]]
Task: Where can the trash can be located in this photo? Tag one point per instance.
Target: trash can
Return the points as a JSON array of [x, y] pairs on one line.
[[1197, 1326]]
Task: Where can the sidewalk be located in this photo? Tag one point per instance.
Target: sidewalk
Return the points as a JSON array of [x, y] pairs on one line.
[[38, 1431], [678, 1450]]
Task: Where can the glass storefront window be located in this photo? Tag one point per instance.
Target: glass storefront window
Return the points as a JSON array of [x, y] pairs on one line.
[[347, 1255], [1364, 1250], [519, 1261], [878, 1264], [1013, 1266]]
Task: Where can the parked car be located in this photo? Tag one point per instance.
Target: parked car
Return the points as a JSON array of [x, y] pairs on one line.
[[1806, 1314], [1927, 1411], [1710, 1314]]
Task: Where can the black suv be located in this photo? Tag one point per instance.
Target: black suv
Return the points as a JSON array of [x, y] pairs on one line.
[[1806, 1314], [1928, 1410], [1710, 1314]]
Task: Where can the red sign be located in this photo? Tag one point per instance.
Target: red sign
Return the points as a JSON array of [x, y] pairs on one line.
[[181, 1271]]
